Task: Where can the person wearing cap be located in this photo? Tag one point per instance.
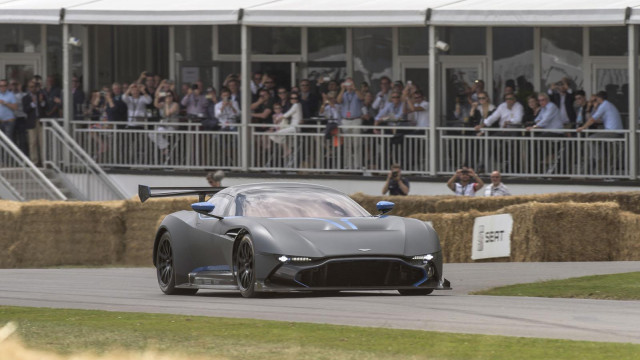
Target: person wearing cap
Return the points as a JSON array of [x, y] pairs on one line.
[[215, 178]]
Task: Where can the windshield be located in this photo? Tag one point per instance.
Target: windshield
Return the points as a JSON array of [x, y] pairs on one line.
[[297, 203]]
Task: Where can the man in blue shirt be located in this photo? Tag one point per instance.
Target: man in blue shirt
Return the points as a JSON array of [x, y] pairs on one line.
[[606, 114], [548, 117], [609, 116], [8, 105]]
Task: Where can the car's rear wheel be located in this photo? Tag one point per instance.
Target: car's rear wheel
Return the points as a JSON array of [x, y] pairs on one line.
[[415, 292], [245, 265], [165, 270]]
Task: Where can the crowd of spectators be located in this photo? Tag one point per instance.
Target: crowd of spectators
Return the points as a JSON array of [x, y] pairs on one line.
[[282, 109]]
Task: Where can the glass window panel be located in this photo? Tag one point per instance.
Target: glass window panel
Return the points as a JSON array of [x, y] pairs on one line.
[[608, 41], [229, 39], [464, 40], [371, 55], [19, 38], [413, 41], [512, 61], [561, 56], [194, 43], [275, 40], [54, 50], [327, 44]]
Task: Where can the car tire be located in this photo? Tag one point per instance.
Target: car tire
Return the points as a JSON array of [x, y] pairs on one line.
[[165, 269], [415, 292], [245, 265]]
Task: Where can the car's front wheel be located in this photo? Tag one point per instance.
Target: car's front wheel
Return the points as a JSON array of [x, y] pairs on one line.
[[165, 270], [413, 292], [245, 265]]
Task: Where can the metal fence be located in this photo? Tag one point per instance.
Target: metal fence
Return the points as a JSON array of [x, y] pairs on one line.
[[20, 179], [79, 173], [349, 149]]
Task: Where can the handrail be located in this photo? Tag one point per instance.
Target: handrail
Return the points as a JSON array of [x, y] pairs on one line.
[[86, 161], [31, 170]]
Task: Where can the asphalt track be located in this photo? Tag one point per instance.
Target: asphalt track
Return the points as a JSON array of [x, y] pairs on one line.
[[135, 289]]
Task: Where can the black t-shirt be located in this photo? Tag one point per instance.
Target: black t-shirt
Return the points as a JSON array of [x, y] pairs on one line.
[[394, 188]]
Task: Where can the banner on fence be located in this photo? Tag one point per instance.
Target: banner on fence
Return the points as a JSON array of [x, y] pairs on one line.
[[491, 237]]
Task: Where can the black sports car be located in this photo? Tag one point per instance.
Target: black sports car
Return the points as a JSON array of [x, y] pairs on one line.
[[275, 237]]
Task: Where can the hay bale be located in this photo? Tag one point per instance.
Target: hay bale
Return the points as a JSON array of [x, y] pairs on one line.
[[68, 233], [141, 220], [541, 232], [627, 244], [628, 201], [11, 225], [405, 205]]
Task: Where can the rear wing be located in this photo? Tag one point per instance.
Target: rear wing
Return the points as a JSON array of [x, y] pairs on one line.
[[145, 192]]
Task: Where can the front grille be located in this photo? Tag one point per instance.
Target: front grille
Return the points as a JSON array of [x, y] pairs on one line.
[[361, 273]]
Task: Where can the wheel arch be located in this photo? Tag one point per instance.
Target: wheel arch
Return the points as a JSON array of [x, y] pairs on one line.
[[161, 230]]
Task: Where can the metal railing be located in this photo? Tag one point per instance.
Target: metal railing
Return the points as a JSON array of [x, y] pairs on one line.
[[359, 149], [547, 153], [20, 179], [79, 172]]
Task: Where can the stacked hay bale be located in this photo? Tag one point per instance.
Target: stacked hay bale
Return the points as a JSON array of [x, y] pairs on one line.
[[141, 224], [67, 233], [628, 241], [11, 225], [541, 232], [405, 205]]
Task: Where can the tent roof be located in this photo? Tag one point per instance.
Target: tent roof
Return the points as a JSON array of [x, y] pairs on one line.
[[344, 13], [538, 13]]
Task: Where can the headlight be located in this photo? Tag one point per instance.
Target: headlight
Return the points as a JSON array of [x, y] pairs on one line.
[[285, 259], [422, 259]]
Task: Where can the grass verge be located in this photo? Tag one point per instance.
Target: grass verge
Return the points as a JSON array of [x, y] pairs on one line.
[[65, 331], [607, 287]]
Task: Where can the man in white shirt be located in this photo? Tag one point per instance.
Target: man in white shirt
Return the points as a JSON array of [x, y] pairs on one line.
[[137, 100], [227, 111], [417, 109], [510, 112], [496, 188]]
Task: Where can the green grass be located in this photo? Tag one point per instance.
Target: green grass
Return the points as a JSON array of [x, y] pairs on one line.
[[66, 331], [612, 287]]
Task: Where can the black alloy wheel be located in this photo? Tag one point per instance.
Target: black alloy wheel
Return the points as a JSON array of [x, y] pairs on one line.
[[165, 269], [245, 265]]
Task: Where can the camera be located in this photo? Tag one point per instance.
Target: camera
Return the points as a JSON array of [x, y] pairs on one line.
[[194, 86], [162, 94], [103, 93], [394, 174], [326, 78], [465, 172]]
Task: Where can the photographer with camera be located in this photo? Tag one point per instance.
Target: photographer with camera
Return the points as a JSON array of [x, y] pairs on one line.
[[461, 182], [396, 184], [195, 102]]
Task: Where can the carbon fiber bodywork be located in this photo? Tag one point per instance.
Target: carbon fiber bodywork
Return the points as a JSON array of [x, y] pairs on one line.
[[303, 253]]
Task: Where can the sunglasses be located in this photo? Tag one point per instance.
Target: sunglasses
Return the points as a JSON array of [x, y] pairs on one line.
[[482, 98], [294, 98]]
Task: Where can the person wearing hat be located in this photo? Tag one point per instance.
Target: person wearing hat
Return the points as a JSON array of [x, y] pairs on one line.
[[215, 178]]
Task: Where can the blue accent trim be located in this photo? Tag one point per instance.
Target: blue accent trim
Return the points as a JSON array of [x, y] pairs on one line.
[[384, 205], [325, 220], [346, 221], [203, 206], [301, 283], [212, 268], [205, 217], [423, 279]]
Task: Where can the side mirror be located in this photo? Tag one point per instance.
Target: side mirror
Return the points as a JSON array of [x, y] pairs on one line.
[[203, 207], [384, 206]]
